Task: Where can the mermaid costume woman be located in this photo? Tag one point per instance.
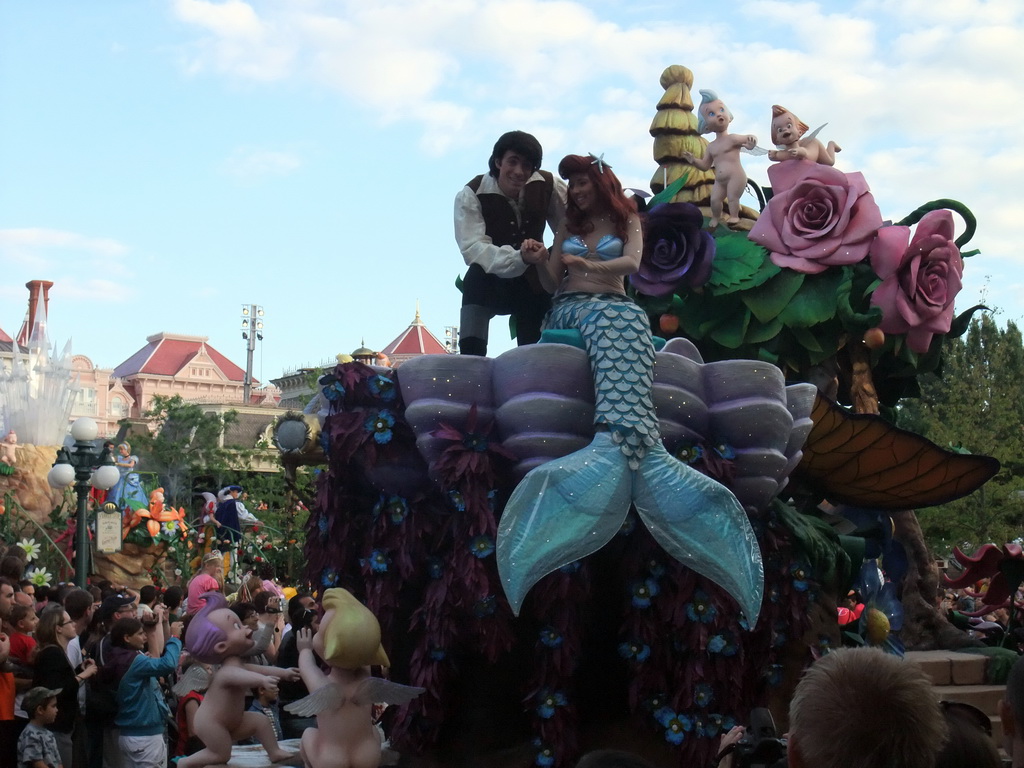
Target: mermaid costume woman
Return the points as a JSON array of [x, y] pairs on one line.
[[571, 507]]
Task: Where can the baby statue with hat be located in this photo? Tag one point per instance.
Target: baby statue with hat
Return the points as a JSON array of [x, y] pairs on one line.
[[342, 700], [217, 636]]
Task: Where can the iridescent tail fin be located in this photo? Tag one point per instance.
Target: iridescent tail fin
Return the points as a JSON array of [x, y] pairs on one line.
[[700, 523], [562, 511], [571, 507]]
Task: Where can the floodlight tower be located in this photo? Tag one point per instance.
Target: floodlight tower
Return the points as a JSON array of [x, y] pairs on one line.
[[252, 331]]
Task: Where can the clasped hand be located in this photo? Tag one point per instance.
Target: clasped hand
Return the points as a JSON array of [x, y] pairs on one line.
[[533, 251]]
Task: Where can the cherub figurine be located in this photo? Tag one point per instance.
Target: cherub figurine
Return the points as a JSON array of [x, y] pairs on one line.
[[724, 154], [787, 135], [9, 449], [217, 636], [349, 641]]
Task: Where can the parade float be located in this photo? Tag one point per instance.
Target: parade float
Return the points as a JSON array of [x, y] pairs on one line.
[[792, 333]]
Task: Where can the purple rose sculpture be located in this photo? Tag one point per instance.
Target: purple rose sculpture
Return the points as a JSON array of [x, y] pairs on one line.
[[818, 218], [676, 250], [919, 280]]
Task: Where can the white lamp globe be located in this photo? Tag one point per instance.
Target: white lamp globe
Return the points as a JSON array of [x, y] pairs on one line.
[[61, 476], [84, 429], [105, 477]]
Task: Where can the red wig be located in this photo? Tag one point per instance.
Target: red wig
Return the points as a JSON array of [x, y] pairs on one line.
[[609, 194]]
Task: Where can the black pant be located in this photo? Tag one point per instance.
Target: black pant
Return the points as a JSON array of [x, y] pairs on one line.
[[522, 297]]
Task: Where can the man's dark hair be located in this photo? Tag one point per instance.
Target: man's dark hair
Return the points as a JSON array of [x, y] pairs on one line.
[[521, 143], [173, 597], [121, 629], [13, 568], [77, 603], [295, 606], [263, 599], [147, 594]]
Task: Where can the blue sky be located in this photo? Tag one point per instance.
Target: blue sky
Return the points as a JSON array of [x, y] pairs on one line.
[[166, 161]]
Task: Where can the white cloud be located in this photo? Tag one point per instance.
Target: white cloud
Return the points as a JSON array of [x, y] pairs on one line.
[[238, 42], [29, 245], [251, 163]]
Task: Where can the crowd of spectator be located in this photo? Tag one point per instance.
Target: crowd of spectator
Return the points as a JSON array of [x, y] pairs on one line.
[[87, 679]]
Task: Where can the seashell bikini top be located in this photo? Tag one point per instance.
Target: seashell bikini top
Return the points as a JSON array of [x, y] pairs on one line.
[[608, 247]]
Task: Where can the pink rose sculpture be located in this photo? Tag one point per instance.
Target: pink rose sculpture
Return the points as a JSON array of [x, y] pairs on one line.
[[818, 217], [919, 280]]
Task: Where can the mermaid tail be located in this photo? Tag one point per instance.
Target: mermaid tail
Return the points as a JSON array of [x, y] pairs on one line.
[[572, 506]]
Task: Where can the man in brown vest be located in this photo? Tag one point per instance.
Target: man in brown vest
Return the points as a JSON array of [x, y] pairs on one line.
[[494, 214]]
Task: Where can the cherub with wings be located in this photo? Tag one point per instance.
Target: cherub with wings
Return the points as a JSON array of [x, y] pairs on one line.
[[724, 154], [342, 700], [788, 135]]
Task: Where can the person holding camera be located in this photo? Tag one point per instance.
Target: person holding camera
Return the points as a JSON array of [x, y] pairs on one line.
[[270, 630]]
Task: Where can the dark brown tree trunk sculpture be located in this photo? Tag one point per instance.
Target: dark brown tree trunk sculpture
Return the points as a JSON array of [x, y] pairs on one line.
[[924, 626]]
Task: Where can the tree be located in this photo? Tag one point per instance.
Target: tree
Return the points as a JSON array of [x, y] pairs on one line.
[[976, 404], [184, 443]]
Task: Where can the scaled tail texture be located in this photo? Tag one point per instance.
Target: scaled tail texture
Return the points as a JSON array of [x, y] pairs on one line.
[[573, 506]]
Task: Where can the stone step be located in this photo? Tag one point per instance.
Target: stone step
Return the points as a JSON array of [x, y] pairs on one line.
[[961, 677], [950, 667]]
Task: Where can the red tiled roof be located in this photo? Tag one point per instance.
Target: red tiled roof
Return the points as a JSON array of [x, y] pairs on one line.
[[166, 355], [4, 336], [415, 340]]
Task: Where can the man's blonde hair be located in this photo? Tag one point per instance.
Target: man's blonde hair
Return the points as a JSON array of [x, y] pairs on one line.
[[862, 708]]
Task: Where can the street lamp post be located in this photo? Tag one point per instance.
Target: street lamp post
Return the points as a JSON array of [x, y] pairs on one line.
[[252, 331], [83, 466]]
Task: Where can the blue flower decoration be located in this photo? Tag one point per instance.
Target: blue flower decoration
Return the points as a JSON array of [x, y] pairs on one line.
[[382, 388], [457, 501], [642, 592], [780, 633], [655, 568], [482, 546], [799, 572], [438, 654], [634, 651], [545, 754], [773, 674], [710, 726], [377, 562], [380, 425], [485, 607], [332, 388], [725, 451], [329, 578], [700, 608], [689, 454], [322, 524], [703, 695], [570, 567], [550, 637], [397, 508], [548, 702], [628, 526], [325, 443], [654, 702], [723, 643], [475, 442], [676, 725], [435, 567]]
